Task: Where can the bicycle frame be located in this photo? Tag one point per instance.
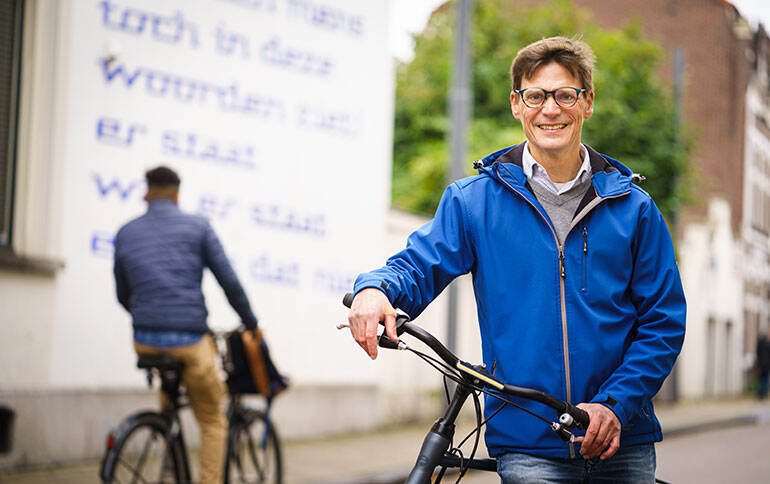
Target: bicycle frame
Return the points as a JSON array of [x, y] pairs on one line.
[[174, 433], [433, 452], [469, 378]]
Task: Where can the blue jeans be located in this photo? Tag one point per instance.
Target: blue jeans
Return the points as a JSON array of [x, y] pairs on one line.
[[629, 465]]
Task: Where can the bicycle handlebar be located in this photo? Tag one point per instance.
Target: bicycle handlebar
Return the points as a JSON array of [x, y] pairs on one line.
[[403, 325]]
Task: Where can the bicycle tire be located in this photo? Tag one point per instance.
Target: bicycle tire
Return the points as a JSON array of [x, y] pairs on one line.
[[140, 453], [254, 457]]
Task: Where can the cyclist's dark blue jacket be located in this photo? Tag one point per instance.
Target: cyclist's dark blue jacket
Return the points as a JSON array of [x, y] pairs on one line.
[[607, 328], [159, 262]]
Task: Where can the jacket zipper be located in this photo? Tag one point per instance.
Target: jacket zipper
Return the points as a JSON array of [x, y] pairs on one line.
[[562, 304], [562, 277], [585, 257]]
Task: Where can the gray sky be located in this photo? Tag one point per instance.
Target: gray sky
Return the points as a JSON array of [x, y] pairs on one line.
[[408, 16], [754, 11]]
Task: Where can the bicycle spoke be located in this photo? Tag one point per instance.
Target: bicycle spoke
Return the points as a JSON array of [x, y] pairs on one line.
[[134, 472], [143, 458], [253, 455], [237, 458]]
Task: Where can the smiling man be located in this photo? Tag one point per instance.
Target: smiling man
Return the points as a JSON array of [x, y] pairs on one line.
[[575, 278]]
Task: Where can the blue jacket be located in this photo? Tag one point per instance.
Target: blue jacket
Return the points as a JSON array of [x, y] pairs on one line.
[[159, 262], [600, 319]]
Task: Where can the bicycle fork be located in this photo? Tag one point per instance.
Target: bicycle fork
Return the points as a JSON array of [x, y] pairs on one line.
[[175, 435]]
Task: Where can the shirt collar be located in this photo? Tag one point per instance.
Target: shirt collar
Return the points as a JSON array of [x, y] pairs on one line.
[[534, 170], [161, 204]]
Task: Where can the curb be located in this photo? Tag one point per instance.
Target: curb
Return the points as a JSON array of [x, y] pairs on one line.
[[711, 425]]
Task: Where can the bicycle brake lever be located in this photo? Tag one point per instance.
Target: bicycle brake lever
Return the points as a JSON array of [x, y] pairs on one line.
[[385, 342], [563, 433]]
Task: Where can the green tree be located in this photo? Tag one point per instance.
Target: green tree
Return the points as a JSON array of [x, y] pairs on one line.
[[634, 118]]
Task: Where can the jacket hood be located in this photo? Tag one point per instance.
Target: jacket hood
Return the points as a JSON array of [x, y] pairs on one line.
[[609, 177]]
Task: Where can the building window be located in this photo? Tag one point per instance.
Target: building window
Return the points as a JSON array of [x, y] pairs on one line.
[[760, 209], [10, 59]]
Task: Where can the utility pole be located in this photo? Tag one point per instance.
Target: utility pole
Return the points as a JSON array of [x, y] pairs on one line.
[[678, 65], [459, 112]]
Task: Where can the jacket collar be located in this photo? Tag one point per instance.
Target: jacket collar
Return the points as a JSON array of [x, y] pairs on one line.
[[162, 205], [610, 177]]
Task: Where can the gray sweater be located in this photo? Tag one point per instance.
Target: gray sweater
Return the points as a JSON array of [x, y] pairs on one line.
[[560, 208]]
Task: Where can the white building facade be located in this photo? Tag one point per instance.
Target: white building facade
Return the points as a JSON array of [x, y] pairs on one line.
[[278, 116]]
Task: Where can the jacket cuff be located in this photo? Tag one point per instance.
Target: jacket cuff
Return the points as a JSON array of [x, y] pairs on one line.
[[366, 282], [250, 323], [614, 405]]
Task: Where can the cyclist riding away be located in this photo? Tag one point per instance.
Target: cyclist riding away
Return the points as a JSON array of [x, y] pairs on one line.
[[575, 277], [159, 263]]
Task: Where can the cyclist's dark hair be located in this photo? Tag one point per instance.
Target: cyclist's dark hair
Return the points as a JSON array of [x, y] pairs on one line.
[[162, 177], [573, 54]]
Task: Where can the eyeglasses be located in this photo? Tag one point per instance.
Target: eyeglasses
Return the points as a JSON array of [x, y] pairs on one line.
[[534, 97]]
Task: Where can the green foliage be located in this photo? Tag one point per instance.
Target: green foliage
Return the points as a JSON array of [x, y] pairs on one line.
[[634, 119]]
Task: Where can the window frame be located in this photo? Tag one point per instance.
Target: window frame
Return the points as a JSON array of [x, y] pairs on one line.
[[9, 169]]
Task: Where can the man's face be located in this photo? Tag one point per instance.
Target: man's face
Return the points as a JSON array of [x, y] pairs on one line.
[[552, 131]]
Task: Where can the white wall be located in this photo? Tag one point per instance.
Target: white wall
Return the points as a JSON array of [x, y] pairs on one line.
[[277, 115], [711, 269], [755, 226], [411, 388]]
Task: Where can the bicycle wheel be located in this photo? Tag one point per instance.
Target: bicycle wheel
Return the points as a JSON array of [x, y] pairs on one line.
[[255, 451], [140, 453]]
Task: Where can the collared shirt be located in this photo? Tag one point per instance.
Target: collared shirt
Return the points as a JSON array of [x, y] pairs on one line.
[[166, 339], [535, 172]]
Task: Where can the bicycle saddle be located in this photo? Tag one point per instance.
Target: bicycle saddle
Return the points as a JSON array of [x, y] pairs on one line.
[[161, 362]]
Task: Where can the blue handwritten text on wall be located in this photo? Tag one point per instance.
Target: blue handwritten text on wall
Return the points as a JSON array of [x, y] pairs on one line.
[[102, 244], [172, 29], [227, 98], [123, 189], [278, 217], [200, 147], [268, 270], [113, 131], [215, 207]]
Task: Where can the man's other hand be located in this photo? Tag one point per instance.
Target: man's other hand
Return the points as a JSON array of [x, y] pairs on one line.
[[603, 432], [370, 306]]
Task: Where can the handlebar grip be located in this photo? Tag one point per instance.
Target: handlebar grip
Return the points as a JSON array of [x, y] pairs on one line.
[[401, 318], [385, 342], [581, 417]]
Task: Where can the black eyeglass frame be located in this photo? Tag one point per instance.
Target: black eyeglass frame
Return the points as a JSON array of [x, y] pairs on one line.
[[552, 92]]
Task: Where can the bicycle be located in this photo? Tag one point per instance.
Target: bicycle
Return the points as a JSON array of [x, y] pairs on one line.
[[438, 450], [149, 446]]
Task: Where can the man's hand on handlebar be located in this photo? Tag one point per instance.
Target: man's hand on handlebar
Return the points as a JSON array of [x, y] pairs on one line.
[[369, 307], [603, 432]]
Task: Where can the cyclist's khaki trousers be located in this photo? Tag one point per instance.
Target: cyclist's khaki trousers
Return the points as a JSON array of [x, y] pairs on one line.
[[206, 391]]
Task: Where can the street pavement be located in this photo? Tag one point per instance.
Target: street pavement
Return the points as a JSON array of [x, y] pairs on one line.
[[385, 456]]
